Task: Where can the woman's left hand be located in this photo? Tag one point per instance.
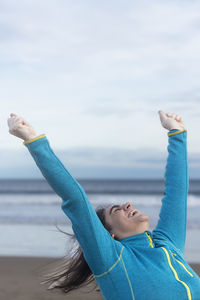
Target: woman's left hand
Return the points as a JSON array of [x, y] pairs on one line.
[[171, 121]]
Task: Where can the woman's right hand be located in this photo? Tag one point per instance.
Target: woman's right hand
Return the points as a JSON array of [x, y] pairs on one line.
[[20, 128], [171, 121]]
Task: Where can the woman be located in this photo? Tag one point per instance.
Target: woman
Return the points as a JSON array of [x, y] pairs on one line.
[[121, 254]]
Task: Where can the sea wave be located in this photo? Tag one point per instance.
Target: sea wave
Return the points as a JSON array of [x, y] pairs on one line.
[[95, 199]]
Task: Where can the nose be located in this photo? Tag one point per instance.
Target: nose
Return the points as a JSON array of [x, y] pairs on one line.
[[128, 205]]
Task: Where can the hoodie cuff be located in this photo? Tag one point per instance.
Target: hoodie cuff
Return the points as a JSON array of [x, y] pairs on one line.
[[34, 139], [175, 131]]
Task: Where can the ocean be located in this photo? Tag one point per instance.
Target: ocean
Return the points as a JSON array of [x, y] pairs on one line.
[[30, 212]]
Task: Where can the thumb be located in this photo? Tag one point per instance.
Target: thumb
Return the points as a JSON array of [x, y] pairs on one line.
[[162, 115]]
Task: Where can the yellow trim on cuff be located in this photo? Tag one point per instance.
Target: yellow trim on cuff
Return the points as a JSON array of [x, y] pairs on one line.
[[176, 132], [34, 139]]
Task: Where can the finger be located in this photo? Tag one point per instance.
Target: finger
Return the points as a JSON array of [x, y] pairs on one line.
[[178, 118], [10, 121], [169, 115], [172, 115], [21, 121], [13, 122], [18, 118], [15, 118], [13, 115]]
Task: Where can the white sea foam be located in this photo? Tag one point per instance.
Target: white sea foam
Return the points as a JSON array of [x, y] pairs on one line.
[[95, 199], [193, 201]]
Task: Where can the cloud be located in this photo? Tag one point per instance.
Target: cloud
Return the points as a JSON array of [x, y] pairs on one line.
[[96, 163], [94, 74]]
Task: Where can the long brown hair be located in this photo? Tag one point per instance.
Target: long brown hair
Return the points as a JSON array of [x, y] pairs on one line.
[[74, 272]]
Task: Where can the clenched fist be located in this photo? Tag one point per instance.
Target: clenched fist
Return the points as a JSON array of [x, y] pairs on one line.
[[20, 128], [171, 121]]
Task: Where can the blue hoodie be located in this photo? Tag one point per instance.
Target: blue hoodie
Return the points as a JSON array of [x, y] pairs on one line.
[[146, 266]]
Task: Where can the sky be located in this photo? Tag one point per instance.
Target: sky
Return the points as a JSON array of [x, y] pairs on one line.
[[92, 76]]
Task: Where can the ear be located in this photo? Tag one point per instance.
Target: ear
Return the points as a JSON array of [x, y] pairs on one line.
[[113, 236]]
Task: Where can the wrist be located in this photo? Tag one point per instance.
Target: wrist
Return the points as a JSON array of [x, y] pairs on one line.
[[177, 129], [29, 137]]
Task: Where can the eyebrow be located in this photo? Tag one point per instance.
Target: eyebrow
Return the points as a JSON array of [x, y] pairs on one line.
[[113, 208]]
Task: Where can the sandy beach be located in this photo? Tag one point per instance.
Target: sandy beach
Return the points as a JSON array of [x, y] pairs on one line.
[[20, 279]]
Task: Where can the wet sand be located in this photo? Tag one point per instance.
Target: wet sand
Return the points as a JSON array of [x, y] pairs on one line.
[[20, 279]]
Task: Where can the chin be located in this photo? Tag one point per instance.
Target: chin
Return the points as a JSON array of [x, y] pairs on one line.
[[146, 220], [145, 217]]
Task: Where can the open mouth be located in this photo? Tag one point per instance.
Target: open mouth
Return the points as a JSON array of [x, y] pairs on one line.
[[133, 213]]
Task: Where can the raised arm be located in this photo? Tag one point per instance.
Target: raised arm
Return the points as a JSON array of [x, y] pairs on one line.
[[173, 215], [100, 250]]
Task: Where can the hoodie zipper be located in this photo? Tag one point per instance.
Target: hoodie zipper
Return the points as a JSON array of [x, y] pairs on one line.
[[176, 275], [181, 264], [150, 240]]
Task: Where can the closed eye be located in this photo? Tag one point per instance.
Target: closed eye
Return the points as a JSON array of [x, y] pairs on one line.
[[112, 208]]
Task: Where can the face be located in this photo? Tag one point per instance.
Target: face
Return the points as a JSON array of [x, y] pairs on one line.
[[126, 220]]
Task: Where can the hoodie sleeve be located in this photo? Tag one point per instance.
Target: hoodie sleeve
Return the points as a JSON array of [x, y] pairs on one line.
[[173, 215], [99, 249]]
